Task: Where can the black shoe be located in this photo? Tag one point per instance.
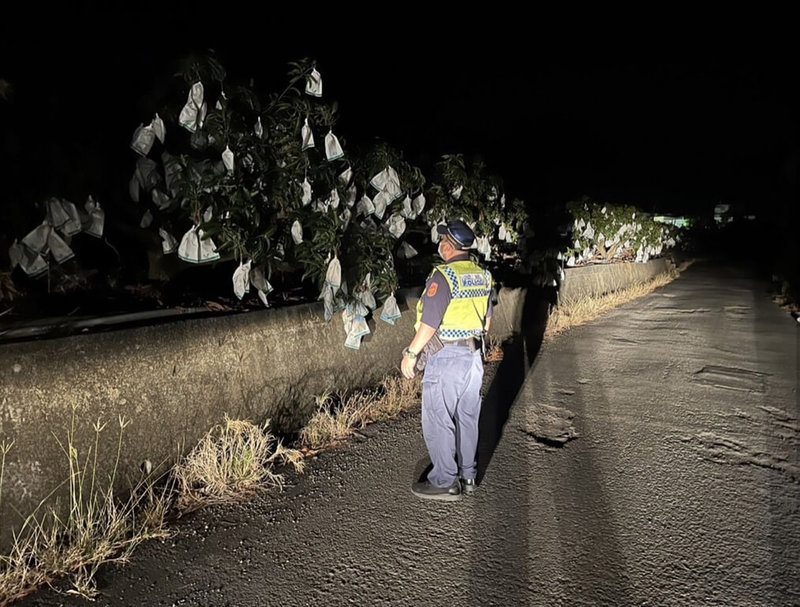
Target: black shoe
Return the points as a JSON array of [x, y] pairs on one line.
[[467, 485], [427, 491]]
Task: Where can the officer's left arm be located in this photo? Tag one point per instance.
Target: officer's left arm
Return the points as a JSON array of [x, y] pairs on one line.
[[421, 338], [435, 300]]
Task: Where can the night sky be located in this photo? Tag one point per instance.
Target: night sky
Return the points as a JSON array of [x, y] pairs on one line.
[[646, 113]]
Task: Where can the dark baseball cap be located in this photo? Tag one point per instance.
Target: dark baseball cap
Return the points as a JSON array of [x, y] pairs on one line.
[[459, 231]]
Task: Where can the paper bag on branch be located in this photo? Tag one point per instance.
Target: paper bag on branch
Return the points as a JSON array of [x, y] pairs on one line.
[[396, 225], [96, 218], [56, 214], [142, 140], [345, 176], [196, 249], [345, 217], [58, 248], [146, 220], [241, 279], [333, 276], [147, 174], [418, 204], [168, 242], [261, 284], [406, 251], [350, 195], [381, 201], [333, 150], [391, 311], [193, 112], [157, 125], [297, 232], [365, 206], [306, 136], [15, 253], [408, 210], [306, 198], [333, 199], [32, 263], [160, 199], [36, 239], [73, 224], [314, 83], [227, 159]]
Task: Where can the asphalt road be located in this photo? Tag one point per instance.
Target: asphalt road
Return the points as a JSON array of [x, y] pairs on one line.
[[679, 483]]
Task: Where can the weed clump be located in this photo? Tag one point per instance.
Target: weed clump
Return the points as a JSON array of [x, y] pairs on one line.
[[97, 526], [339, 415], [233, 461]]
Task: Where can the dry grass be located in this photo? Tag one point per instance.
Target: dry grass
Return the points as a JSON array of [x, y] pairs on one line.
[[233, 461], [494, 349], [51, 547], [336, 417], [563, 318], [339, 415], [787, 305], [7, 290], [396, 394], [96, 527]]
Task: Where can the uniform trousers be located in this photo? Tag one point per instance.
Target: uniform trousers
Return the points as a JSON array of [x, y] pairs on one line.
[[451, 406]]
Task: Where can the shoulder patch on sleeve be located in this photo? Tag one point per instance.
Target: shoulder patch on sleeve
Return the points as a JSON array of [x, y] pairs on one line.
[[432, 289]]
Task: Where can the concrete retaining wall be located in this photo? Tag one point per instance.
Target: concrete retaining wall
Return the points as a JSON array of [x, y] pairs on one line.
[[596, 280], [173, 381]]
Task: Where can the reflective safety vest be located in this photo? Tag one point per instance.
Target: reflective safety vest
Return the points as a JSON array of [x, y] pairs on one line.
[[470, 286]]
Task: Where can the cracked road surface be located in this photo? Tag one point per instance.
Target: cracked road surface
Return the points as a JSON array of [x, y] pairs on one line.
[[678, 483]]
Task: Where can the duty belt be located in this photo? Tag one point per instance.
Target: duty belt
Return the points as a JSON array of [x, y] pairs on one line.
[[473, 343]]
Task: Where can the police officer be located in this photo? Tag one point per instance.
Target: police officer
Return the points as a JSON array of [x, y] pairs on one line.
[[453, 314]]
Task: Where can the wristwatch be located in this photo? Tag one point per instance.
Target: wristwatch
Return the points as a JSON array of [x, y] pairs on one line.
[[409, 354]]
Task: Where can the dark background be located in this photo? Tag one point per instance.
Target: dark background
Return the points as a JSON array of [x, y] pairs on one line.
[[656, 110]]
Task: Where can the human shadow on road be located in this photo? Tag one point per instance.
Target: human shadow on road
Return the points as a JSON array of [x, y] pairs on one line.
[[519, 353]]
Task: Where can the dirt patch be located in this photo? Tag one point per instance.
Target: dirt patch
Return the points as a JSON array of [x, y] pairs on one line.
[[551, 426], [787, 305]]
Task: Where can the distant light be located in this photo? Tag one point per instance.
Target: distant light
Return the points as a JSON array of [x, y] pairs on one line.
[[680, 222]]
